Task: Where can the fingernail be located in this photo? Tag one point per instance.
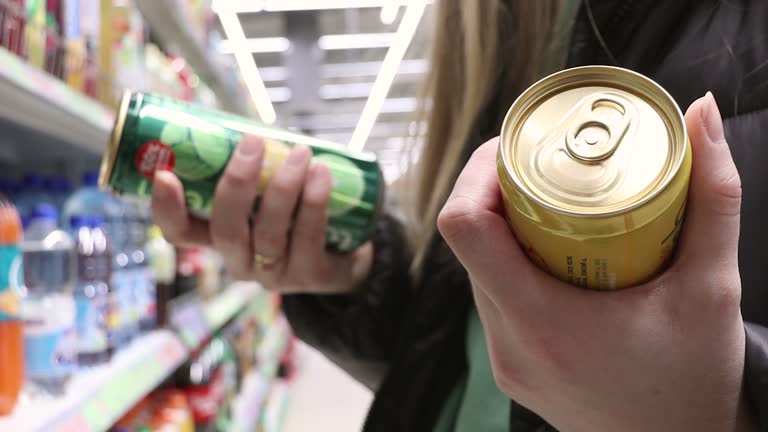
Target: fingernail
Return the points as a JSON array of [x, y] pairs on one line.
[[713, 122], [298, 155], [250, 147]]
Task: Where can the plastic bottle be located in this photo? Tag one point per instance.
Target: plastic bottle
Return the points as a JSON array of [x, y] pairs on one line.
[[11, 326], [32, 192], [145, 289], [59, 190], [48, 308], [131, 294], [89, 200], [104, 262], [90, 294], [162, 259]]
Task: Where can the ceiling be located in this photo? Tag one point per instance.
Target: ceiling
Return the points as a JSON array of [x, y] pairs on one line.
[[319, 77]]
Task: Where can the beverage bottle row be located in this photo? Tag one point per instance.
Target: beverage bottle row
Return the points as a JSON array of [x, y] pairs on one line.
[[75, 281]]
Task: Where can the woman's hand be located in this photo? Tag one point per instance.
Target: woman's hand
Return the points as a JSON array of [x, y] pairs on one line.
[[283, 253], [664, 356]]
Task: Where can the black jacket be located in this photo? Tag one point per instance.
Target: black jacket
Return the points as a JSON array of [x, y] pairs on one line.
[[407, 342]]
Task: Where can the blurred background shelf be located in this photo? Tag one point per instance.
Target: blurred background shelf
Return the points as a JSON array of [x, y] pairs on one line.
[[95, 399], [175, 30], [39, 102]]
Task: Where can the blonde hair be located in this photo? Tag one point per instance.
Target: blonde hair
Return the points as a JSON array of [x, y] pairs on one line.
[[479, 48]]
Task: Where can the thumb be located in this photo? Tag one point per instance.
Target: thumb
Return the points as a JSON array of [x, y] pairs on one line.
[[711, 230], [472, 224]]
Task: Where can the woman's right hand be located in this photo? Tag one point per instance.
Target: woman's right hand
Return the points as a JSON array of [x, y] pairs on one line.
[[282, 252]]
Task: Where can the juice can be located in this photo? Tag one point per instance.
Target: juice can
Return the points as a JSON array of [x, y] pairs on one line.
[[196, 143], [594, 164]]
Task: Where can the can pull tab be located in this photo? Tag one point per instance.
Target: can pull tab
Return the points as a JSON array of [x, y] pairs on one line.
[[598, 126]]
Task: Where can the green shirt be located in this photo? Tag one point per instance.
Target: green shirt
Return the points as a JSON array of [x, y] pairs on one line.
[[476, 404]]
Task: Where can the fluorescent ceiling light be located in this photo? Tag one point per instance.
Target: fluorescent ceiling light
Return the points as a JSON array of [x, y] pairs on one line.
[[248, 70], [389, 67], [345, 91], [279, 94], [389, 12], [355, 41], [273, 73], [259, 45], [400, 105], [361, 69], [244, 6]]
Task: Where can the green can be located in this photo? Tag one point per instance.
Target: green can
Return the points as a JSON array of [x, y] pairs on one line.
[[153, 132]]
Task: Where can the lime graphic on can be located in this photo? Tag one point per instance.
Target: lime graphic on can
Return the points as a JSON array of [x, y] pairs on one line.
[[348, 183], [201, 152], [153, 132]]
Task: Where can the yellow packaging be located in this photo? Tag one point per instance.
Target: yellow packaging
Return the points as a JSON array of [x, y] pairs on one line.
[[35, 32], [594, 164]]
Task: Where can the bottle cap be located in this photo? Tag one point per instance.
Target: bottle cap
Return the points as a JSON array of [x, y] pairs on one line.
[[44, 211]]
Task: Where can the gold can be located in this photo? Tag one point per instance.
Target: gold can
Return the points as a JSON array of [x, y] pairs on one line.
[[594, 164]]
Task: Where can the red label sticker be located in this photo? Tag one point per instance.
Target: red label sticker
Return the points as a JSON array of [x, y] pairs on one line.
[[153, 156]]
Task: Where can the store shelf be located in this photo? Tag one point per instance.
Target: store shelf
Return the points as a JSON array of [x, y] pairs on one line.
[[249, 406], [273, 417], [196, 321], [96, 399], [36, 100], [169, 25]]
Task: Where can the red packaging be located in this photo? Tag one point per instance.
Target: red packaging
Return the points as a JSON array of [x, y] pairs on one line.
[[204, 399], [12, 26]]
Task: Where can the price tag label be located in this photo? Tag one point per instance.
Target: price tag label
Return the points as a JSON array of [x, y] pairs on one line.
[[187, 318]]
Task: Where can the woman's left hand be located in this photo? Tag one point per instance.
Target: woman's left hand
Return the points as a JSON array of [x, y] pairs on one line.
[[664, 356]]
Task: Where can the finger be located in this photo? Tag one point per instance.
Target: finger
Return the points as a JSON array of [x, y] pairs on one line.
[[711, 229], [233, 203], [473, 226], [169, 212], [308, 237], [273, 220]]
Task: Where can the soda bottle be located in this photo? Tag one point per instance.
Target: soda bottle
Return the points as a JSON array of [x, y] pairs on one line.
[[48, 308], [90, 294], [104, 262], [89, 200], [162, 258], [11, 327]]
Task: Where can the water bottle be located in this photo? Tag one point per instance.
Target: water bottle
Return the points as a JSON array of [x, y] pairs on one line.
[[131, 283], [89, 200], [144, 274], [59, 190], [47, 304], [90, 295], [31, 193]]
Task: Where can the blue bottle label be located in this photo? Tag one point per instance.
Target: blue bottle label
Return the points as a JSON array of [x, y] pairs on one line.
[[49, 350], [11, 279]]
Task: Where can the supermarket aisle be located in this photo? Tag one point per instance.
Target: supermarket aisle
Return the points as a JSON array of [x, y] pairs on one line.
[[323, 397]]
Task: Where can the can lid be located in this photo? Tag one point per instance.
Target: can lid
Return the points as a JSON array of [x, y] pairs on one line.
[[593, 140], [108, 160]]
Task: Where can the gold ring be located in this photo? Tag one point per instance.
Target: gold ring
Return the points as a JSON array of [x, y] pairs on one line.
[[263, 262]]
